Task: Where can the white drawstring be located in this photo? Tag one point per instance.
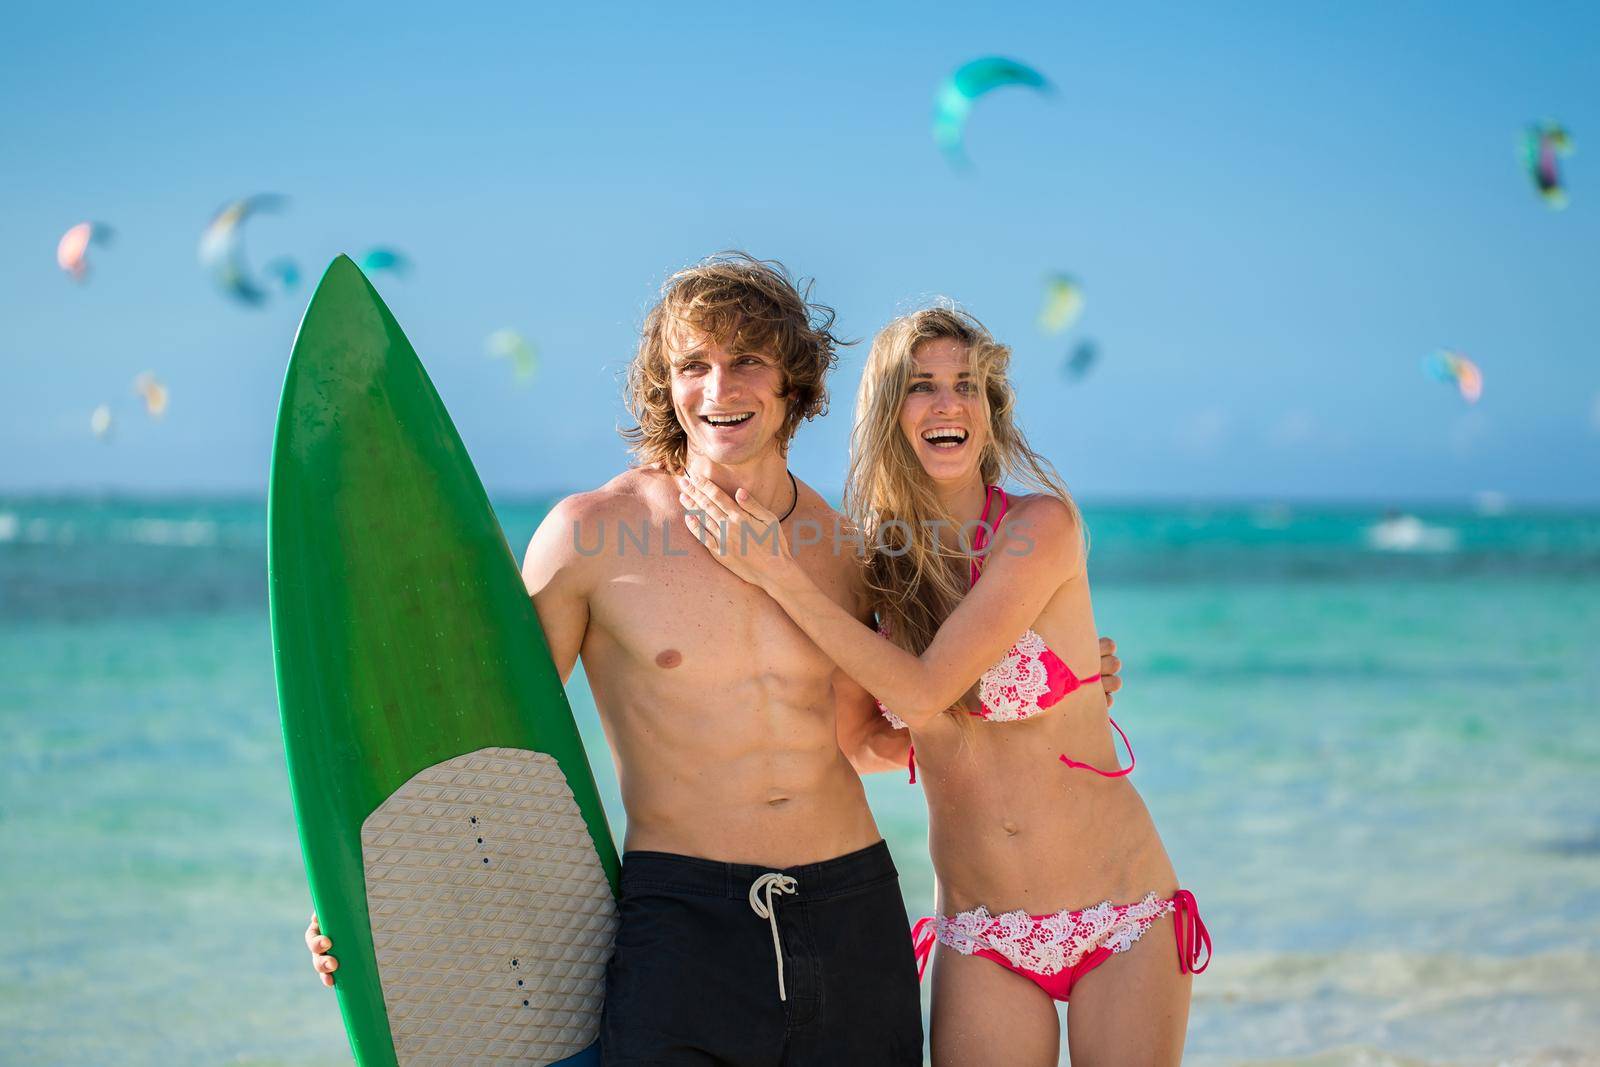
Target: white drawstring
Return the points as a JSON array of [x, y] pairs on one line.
[[768, 884]]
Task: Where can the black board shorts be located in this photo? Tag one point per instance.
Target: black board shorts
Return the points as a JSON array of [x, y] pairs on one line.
[[695, 977]]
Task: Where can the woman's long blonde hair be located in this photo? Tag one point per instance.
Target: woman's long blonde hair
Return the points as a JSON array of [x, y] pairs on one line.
[[916, 580]]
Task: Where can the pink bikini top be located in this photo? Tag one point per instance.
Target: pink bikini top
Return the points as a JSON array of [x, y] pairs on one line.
[[1029, 678]]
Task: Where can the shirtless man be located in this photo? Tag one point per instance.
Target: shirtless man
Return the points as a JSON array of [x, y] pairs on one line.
[[761, 919]]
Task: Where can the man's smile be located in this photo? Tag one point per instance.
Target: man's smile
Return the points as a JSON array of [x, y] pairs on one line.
[[724, 420]]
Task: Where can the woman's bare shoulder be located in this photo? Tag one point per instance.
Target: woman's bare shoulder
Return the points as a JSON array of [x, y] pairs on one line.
[[1044, 523]]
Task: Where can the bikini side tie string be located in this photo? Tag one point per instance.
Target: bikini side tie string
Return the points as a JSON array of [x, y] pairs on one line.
[[923, 934], [1124, 772], [1191, 931], [764, 906]]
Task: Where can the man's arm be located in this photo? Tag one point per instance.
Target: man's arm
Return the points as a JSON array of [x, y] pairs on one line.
[[865, 736], [555, 575]]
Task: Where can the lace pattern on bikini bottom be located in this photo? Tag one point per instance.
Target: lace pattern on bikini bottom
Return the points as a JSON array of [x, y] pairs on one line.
[[1050, 944]]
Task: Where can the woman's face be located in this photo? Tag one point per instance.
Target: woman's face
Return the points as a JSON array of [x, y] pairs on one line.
[[942, 415]]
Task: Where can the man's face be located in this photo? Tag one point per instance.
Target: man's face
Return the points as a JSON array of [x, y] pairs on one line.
[[726, 402]]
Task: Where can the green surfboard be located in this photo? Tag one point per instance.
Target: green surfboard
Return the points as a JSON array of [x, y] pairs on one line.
[[455, 843]]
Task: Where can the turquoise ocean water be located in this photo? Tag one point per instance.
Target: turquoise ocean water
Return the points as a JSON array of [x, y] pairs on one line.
[[1373, 751]]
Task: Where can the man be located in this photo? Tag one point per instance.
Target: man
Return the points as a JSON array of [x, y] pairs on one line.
[[761, 915]]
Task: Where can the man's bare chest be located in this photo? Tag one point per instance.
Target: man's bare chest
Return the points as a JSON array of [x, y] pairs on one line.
[[688, 609]]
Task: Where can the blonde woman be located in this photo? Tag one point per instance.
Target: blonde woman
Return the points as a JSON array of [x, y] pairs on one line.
[[1053, 883]]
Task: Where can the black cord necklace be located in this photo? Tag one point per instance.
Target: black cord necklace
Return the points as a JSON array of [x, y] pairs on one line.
[[793, 503]]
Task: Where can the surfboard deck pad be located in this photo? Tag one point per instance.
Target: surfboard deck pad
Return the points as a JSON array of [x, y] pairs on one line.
[[491, 917]]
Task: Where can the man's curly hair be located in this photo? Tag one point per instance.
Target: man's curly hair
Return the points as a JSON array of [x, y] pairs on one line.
[[746, 305]]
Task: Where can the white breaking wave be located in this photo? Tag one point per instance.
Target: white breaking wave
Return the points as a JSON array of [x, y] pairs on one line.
[[185, 532], [182, 533], [1407, 533]]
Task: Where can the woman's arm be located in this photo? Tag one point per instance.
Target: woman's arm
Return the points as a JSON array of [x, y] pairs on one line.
[[1034, 553]]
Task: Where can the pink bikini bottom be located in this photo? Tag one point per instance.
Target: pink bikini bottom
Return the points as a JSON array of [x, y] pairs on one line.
[[1057, 950]]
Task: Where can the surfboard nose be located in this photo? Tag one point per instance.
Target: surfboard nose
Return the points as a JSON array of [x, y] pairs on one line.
[[339, 300], [342, 267], [347, 324], [348, 354]]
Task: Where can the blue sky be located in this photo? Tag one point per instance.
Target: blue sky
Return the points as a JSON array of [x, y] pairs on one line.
[[1276, 211]]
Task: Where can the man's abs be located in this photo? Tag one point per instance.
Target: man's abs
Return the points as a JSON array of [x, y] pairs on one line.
[[740, 781], [720, 714], [769, 811]]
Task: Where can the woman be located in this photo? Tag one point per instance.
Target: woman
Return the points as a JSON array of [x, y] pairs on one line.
[[1053, 882]]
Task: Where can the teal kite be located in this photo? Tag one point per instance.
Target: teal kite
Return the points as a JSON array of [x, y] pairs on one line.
[[285, 270], [1541, 147], [387, 259], [959, 91], [1083, 357]]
